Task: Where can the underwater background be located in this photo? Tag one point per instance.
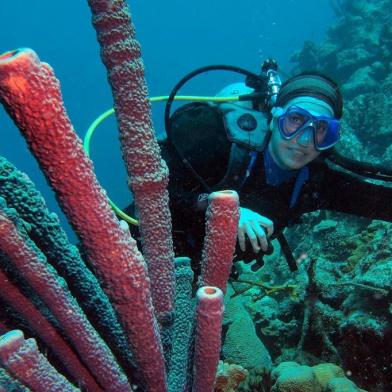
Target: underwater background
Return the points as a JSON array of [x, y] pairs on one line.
[[338, 308]]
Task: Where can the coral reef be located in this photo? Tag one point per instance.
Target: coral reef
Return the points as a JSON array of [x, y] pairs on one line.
[[357, 52], [343, 302], [241, 345], [343, 310], [109, 317]]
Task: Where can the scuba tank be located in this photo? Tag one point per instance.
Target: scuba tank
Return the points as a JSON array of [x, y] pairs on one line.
[[246, 118]]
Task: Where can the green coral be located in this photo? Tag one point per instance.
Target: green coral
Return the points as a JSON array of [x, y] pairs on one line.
[[241, 344], [293, 377]]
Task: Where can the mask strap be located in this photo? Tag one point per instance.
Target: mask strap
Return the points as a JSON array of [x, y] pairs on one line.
[[312, 103], [277, 111]]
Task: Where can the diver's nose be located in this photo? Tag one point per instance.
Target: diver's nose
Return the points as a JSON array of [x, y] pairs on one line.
[[305, 139]]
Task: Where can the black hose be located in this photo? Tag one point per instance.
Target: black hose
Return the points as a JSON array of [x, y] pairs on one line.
[[194, 73], [365, 169]]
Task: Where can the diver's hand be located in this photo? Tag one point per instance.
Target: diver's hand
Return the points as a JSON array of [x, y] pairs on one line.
[[256, 227]]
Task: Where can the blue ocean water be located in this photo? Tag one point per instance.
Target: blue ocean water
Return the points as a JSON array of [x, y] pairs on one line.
[[176, 37]]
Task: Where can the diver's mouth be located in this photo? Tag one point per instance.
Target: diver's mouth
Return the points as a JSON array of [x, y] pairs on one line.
[[298, 152]]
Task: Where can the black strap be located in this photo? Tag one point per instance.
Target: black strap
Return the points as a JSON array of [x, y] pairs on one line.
[[365, 169], [288, 254]]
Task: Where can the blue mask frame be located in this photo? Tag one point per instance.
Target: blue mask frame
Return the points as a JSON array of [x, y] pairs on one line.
[[325, 130]]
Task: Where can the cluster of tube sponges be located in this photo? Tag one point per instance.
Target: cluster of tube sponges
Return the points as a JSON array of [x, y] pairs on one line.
[[126, 320]]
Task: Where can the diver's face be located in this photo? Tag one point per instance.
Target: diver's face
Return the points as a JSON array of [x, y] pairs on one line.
[[300, 150], [291, 154]]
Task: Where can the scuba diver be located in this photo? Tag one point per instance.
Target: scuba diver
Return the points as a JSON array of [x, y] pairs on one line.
[[274, 146]]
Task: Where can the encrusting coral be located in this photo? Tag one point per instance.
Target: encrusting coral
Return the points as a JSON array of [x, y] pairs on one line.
[[292, 377], [228, 377]]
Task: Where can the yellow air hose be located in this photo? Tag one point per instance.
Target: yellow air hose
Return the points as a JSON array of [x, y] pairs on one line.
[[105, 115]]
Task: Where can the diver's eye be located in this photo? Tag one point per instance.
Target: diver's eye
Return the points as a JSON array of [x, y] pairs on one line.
[[321, 130], [295, 120]]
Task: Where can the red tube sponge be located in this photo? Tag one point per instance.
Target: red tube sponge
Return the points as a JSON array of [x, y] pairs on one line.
[[22, 359], [12, 295], [209, 314], [147, 172], [31, 95], [220, 239], [54, 292]]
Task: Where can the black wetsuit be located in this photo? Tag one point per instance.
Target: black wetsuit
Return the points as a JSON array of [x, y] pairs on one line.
[[325, 188]]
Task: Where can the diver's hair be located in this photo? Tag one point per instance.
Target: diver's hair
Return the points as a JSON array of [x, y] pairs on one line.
[[314, 84]]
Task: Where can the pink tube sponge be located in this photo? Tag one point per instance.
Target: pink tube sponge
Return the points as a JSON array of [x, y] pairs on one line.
[[31, 264], [22, 359], [220, 239], [31, 95], [147, 172], [13, 296], [209, 314]]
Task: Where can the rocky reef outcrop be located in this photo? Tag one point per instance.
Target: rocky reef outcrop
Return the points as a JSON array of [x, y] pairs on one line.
[[339, 307]]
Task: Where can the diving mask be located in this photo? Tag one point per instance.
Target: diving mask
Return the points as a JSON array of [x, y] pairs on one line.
[[295, 121]]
